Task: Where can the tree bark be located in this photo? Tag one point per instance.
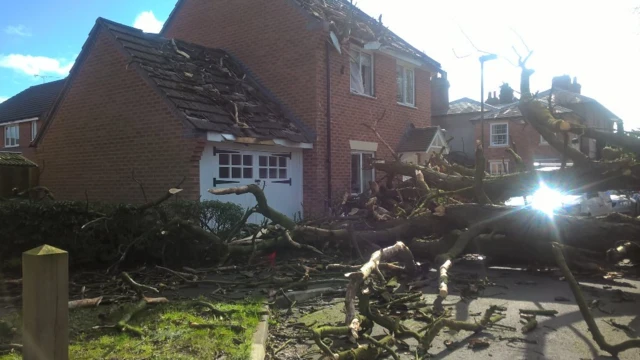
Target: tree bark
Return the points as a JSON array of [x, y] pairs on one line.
[[598, 176]]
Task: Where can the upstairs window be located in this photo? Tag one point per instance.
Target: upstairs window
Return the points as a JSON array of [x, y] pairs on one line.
[[11, 136], [406, 85], [34, 130], [500, 134], [361, 73]]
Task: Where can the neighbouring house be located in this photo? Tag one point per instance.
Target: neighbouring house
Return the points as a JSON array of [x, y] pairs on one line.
[[336, 68], [506, 125], [138, 107], [414, 149], [16, 172], [457, 123], [21, 116]]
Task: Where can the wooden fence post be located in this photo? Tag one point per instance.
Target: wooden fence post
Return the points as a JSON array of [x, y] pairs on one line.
[[45, 309]]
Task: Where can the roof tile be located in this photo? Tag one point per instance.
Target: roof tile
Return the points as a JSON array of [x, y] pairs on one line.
[[30, 103], [15, 159], [209, 86], [466, 105], [417, 139]]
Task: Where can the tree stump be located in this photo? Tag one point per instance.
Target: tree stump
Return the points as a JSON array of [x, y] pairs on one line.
[[45, 298]]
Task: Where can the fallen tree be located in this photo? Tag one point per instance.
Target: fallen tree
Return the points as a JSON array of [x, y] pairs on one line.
[[431, 214]]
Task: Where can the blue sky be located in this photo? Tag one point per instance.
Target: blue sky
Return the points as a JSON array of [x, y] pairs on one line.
[[43, 37], [598, 41]]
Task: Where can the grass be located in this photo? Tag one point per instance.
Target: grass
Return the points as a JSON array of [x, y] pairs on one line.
[[166, 329]]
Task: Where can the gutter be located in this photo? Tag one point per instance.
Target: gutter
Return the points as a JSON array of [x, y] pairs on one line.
[[328, 66]]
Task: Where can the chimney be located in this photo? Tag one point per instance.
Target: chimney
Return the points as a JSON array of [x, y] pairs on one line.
[[506, 94], [492, 100], [575, 87], [439, 94], [562, 82]]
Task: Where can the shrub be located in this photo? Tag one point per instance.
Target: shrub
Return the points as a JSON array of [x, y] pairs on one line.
[[25, 225]]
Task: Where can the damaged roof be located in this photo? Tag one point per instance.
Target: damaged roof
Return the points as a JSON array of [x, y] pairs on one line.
[[417, 139], [30, 103], [339, 13], [212, 89], [569, 98], [364, 28], [511, 111], [15, 159], [466, 105]]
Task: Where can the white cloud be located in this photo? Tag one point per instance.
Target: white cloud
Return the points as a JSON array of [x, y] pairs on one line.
[[19, 30], [35, 65], [3, 98], [148, 22]]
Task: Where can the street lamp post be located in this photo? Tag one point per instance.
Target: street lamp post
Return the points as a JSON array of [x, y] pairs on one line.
[[483, 58]]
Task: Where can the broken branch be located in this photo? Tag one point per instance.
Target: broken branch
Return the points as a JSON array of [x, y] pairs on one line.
[[586, 313]]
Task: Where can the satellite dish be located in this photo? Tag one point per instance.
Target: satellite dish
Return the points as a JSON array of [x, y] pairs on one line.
[[336, 43]]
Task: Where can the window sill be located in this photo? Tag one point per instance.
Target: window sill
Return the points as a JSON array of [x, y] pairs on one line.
[[407, 105], [364, 95], [498, 146], [12, 146]]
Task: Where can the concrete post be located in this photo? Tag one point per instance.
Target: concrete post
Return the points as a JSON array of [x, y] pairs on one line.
[[45, 309]]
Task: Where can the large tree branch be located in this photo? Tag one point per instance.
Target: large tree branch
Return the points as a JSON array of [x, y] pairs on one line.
[[586, 313], [262, 207], [598, 176], [539, 116]]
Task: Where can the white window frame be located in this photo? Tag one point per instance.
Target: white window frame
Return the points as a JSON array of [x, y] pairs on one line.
[[491, 134], [363, 186], [6, 136], [354, 90], [401, 67], [34, 130], [500, 163]]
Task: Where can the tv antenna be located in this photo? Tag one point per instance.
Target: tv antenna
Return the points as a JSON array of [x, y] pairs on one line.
[[44, 77]]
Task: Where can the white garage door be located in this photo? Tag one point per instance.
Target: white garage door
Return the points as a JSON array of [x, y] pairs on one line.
[[277, 169]]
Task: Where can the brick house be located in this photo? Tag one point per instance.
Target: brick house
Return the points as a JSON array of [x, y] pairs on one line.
[[335, 68], [457, 123], [163, 110], [506, 125], [21, 116]]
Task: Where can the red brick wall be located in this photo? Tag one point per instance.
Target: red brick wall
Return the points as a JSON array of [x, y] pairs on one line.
[[527, 141], [286, 49], [110, 122], [24, 141], [349, 111]]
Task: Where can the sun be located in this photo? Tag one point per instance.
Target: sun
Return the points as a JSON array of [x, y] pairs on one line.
[[546, 200]]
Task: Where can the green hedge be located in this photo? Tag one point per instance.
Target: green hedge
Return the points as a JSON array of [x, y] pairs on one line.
[[25, 225]]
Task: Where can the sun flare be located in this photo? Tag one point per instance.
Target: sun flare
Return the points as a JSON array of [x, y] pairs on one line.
[[546, 200]]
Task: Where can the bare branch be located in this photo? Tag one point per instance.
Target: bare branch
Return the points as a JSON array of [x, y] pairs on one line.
[[373, 128], [459, 57], [521, 40], [133, 176], [163, 198], [471, 42]]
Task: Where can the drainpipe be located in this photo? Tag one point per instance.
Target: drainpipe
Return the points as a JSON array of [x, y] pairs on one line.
[[328, 65]]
